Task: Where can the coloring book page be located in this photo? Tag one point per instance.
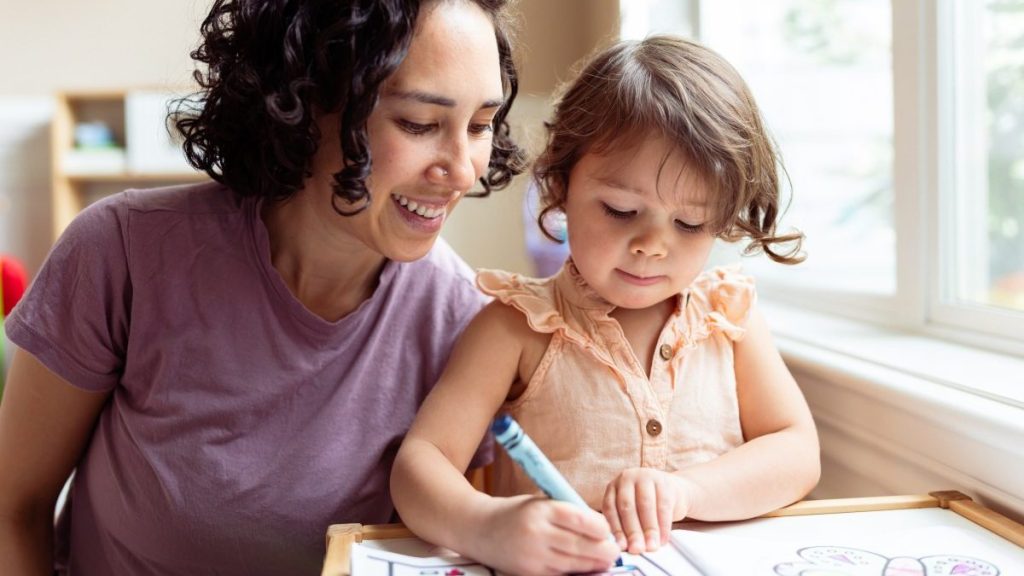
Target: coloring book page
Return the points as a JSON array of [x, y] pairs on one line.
[[930, 551], [374, 561], [922, 551]]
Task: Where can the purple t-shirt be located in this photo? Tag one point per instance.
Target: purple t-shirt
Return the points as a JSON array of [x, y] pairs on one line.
[[241, 424]]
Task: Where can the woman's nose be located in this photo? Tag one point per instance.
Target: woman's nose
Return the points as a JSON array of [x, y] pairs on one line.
[[454, 169]]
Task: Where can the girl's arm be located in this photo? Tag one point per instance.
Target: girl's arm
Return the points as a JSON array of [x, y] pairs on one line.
[[523, 534], [780, 461], [44, 426], [778, 464]]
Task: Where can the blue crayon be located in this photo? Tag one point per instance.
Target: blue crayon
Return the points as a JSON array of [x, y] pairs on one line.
[[528, 456]]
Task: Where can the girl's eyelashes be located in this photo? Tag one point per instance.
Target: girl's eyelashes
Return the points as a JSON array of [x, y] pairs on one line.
[[691, 228], [620, 214], [626, 214]]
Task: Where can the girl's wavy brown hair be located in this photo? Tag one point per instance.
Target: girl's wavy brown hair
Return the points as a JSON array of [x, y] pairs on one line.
[[670, 86], [272, 65]]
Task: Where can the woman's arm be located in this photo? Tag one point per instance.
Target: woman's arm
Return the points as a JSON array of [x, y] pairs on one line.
[[44, 426], [522, 535]]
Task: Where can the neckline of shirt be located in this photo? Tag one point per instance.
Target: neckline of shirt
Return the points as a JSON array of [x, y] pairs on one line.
[[260, 244]]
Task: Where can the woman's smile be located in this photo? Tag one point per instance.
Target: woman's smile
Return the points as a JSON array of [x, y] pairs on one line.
[[426, 215]]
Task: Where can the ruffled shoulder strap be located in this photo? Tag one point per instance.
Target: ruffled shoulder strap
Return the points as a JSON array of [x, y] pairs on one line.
[[534, 297], [720, 299]]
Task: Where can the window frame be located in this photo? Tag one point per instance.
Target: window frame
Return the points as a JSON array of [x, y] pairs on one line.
[[955, 24], [928, 192], [940, 383]]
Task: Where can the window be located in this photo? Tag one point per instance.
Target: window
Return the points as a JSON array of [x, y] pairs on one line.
[[642, 17], [981, 177], [807, 60], [901, 125]]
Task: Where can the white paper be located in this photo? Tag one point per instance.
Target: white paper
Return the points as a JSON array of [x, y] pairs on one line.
[[720, 554], [931, 551], [928, 551]]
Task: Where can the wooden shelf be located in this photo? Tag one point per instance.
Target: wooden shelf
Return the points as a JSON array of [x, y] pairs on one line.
[[73, 189]]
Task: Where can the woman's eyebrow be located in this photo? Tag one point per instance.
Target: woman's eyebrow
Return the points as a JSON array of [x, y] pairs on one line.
[[437, 99]]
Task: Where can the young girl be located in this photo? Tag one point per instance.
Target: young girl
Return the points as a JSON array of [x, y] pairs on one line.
[[654, 387]]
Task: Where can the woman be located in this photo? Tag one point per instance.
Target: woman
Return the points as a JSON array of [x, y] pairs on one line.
[[230, 367]]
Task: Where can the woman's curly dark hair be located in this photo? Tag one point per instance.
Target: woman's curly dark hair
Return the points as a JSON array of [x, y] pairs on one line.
[[271, 65]]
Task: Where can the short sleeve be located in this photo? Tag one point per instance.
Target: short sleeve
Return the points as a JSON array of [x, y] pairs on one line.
[[75, 316], [724, 297], [530, 296]]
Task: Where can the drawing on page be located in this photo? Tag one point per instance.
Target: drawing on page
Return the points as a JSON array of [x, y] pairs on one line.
[[389, 564], [843, 561], [394, 566]]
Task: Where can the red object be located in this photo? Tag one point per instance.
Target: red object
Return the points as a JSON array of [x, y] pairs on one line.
[[13, 281]]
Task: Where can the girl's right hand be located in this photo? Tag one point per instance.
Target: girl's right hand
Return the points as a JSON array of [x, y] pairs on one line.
[[530, 535]]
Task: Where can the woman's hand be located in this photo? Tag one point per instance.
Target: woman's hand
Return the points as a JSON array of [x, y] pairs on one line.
[[529, 535], [641, 504]]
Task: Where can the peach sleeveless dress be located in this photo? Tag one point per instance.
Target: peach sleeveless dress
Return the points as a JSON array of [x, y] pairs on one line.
[[590, 405]]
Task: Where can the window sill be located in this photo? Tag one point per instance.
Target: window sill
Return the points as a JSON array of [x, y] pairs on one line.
[[997, 377], [904, 413]]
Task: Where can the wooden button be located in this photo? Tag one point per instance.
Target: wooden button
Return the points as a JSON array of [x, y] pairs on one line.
[[665, 352], [653, 427]]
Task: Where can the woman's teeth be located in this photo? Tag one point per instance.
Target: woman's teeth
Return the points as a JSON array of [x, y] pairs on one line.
[[415, 208]]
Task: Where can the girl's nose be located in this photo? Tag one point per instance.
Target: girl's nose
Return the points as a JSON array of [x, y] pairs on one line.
[[649, 243]]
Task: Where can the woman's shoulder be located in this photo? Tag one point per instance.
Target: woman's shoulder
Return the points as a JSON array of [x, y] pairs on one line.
[[206, 197], [120, 207]]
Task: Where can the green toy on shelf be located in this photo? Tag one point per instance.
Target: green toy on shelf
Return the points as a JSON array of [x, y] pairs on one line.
[[13, 282]]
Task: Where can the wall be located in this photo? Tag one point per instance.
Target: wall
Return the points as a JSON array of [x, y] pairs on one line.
[[551, 46], [52, 45]]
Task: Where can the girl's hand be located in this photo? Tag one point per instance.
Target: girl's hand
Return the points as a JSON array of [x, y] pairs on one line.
[[641, 504], [529, 535]]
